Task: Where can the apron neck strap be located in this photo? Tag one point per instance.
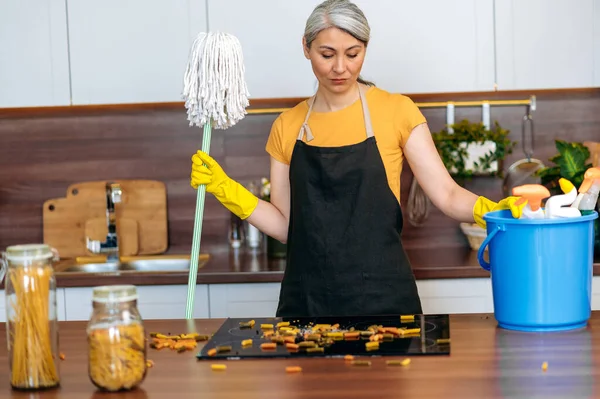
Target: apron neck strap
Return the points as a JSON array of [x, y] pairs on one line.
[[366, 115]]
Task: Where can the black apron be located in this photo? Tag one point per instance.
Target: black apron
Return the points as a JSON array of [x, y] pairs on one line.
[[344, 252]]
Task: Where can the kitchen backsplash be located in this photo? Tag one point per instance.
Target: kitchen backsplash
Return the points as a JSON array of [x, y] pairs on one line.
[[44, 151]]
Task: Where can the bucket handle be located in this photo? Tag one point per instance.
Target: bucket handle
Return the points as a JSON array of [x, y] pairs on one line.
[[484, 244]]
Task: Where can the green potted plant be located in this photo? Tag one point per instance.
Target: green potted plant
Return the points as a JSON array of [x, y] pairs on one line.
[[473, 150], [570, 163]]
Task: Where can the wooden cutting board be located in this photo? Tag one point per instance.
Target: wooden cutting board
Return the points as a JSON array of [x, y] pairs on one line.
[[141, 218]]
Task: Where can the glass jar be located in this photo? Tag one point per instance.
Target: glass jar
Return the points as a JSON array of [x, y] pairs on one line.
[[116, 339], [31, 316]]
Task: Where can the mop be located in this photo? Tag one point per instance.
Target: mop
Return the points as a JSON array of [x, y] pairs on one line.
[[216, 96]]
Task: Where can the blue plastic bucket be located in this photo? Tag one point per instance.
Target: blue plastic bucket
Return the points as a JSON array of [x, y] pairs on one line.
[[541, 270]]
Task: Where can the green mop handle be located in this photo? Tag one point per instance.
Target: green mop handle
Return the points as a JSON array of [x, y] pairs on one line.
[[189, 308]]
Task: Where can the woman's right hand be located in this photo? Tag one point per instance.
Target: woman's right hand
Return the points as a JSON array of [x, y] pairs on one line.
[[235, 197]]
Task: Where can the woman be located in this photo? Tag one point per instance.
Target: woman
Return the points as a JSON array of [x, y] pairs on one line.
[[336, 160]]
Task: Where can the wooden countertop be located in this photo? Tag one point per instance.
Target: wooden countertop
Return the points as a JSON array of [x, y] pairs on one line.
[[485, 362], [228, 266]]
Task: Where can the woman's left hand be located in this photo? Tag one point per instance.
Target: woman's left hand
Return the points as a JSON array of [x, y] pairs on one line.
[[484, 205]]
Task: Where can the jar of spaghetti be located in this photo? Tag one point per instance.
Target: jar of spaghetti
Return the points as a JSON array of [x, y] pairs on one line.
[[31, 317], [116, 339]]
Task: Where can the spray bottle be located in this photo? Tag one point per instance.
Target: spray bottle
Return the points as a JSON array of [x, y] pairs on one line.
[[588, 191], [534, 194], [590, 198]]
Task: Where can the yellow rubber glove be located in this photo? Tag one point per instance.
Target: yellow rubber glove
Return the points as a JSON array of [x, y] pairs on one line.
[[484, 205], [234, 196]]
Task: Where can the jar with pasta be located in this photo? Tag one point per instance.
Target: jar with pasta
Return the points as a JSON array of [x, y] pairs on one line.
[[116, 339], [31, 322]]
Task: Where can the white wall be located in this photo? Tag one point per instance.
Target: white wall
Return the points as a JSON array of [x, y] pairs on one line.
[[62, 52]]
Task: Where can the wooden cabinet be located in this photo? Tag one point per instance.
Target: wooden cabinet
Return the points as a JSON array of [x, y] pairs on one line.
[[34, 58], [133, 51], [547, 44]]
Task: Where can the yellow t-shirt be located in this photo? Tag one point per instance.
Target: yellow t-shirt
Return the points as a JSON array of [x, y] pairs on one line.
[[393, 117]]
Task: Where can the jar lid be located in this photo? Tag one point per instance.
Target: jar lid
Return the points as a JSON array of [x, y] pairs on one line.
[[115, 293], [28, 252]]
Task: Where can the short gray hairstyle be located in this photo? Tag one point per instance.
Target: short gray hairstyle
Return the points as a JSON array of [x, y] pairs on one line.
[[341, 14]]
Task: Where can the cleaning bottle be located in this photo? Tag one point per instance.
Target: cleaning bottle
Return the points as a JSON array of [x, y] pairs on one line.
[[589, 200], [534, 194], [557, 206], [588, 179]]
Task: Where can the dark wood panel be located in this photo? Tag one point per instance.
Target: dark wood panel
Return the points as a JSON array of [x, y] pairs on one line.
[[42, 151]]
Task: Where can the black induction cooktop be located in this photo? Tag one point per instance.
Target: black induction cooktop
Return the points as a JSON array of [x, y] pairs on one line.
[[425, 335]]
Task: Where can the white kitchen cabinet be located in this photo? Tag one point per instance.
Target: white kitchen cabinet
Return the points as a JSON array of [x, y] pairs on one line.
[[412, 49], [431, 46], [437, 296], [60, 305], [34, 57], [468, 295], [546, 44], [133, 51], [596, 43], [154, 302], [243, 300]]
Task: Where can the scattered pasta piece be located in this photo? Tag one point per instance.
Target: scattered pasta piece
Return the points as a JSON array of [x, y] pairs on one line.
[[149, 363], [442, 341], [61, 356], [218, 367], [246, 343], [268, 346], [545, 366], [283, 324], [212, 352], [361, 362], [407, 318], [224, 348], [372, 346], [402, 363], [266, 326], [293, 369], [348, 357]]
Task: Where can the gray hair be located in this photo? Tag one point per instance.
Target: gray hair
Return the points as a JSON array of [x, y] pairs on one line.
[[341, 14]]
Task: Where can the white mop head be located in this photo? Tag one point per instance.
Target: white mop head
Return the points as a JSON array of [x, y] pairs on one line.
[[214, 87]]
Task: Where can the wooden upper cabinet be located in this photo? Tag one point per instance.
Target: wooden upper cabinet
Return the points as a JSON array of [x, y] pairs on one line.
[[132, 51], [34, 58], [548, 44], [426, 46]]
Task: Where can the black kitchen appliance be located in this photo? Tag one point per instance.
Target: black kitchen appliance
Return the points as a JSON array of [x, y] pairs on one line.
[[433, 338]]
